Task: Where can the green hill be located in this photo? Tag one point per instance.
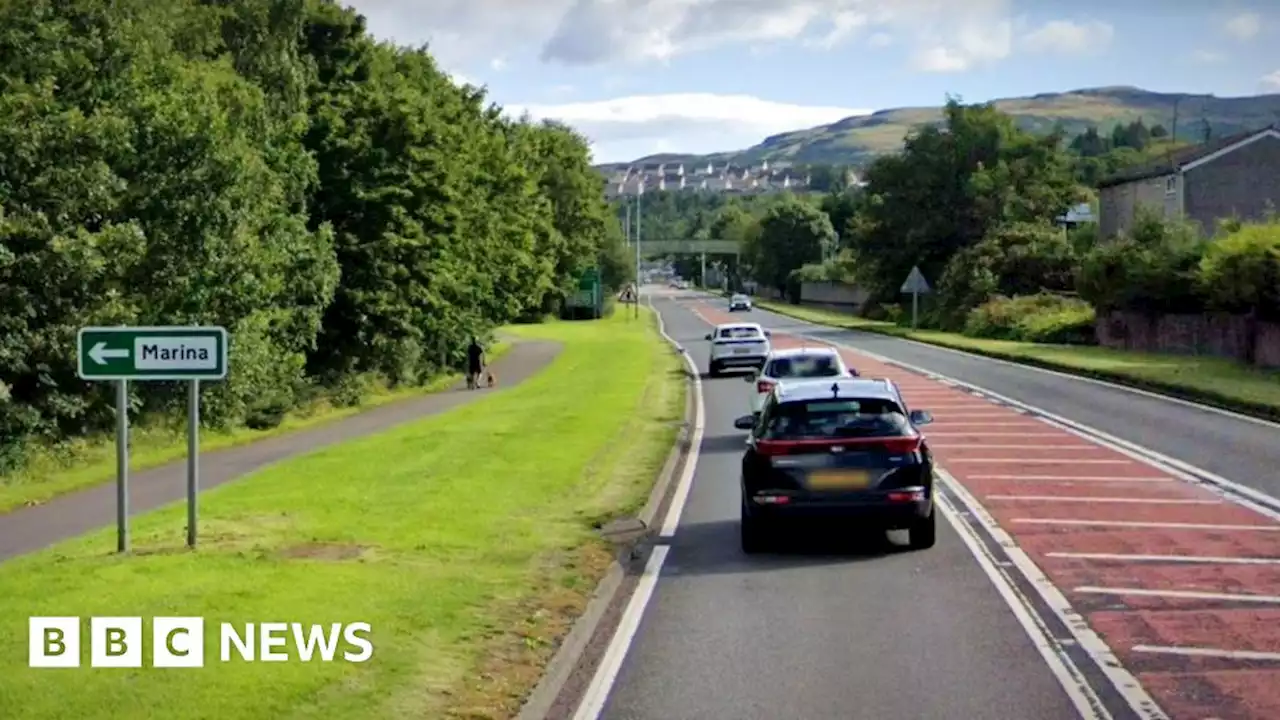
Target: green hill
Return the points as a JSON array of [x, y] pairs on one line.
[[858, 140]]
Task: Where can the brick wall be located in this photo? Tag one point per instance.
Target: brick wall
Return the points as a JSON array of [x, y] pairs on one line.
[[1218, 335]]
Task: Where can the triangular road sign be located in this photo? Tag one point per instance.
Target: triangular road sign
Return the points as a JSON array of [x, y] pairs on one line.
[[915, 282]]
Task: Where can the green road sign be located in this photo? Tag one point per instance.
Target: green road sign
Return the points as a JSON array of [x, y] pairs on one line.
[[152, 353]]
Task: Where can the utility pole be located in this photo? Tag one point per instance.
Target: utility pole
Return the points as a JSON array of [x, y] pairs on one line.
[[626, 227], [639, 198]]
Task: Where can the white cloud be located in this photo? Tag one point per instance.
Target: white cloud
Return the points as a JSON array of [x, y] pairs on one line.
[[625, 128], [1069, 38], [1244, 26], [1272, 81], [498, 64], [463, 33], [880, 39]]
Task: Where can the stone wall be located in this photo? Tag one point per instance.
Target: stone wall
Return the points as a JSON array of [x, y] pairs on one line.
[[1213, 334]]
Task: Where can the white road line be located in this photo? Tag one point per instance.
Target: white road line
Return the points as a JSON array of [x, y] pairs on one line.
[[979, 433], [992, 412], [1069, 677], [1007, 446], [1073, 478], [597, 693], [1206, 652], [1129, 524], [1190, 559], [1041, 461], [1184, 594], [1069, 498], [1124, 682]]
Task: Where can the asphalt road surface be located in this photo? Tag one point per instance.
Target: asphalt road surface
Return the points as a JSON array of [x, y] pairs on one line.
[[1238, 449], [920, 635]]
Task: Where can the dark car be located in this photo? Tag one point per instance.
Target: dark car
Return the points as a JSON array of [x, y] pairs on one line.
[[847, 449]]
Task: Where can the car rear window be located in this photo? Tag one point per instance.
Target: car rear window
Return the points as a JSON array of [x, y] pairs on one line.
[[739, 333], [837, 418], [803, 366]]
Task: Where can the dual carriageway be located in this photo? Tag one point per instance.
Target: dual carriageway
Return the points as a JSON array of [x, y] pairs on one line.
[[1106, 553]]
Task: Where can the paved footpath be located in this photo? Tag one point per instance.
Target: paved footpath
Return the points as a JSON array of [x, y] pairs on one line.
[[1180, 582], [67, 516]]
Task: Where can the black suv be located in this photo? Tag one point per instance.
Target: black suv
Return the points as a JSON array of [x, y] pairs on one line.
[[847, 448]]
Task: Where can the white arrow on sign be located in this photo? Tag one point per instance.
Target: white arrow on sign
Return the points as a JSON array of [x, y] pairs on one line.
[[101, 354]]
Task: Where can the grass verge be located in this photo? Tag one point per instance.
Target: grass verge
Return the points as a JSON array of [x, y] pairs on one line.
[[84, 463], [1212, 381], [464, 539]]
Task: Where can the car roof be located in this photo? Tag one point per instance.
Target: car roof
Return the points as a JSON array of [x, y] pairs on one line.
[[820, 389], [729, 326], [805, 350]]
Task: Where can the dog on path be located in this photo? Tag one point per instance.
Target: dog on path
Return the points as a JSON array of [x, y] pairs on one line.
[[490, 379]]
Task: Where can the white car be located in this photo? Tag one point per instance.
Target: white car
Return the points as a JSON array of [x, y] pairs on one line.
[[802, 363], [738, 345], [739, 302]]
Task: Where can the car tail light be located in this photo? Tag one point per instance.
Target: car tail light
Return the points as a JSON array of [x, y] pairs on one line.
[[764, 386], [893, 446]]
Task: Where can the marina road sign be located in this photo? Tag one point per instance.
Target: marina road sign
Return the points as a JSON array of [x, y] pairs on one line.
[[152, 353]]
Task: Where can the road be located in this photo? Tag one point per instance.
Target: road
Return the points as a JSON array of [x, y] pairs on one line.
[[908, 635], [1073, 577], [1240, 449]]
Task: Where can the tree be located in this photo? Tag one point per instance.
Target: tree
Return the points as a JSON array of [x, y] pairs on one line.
[[792, 235]]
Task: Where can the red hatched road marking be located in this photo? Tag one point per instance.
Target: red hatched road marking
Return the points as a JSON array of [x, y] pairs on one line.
[[1211, 655]]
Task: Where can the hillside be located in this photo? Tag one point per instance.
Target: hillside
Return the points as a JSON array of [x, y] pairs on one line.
[[857, 140]]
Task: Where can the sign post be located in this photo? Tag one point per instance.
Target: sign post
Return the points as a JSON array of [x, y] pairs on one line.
[[916, 285], [121, 354]]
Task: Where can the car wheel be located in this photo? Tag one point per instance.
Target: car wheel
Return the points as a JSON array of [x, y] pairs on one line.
[[714, 370], [754, 539], [923, 533]]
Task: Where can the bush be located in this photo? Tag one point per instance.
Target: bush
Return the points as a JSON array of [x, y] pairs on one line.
[[1154, 269], [1011, 260], [1240, 272], [1040, 318]]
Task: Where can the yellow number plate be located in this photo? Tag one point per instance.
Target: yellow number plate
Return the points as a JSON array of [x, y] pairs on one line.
[[839, 480]]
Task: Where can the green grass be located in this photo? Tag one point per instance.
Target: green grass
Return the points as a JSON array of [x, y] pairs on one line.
[[1214, 381], [74, 466], [475, 546]]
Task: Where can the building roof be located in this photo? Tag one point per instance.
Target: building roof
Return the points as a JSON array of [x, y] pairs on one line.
[[848, 389], [1181, 158]]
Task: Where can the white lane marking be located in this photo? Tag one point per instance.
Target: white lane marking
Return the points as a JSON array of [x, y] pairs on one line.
[[1073, 478], [1070, 498], [1206, 652], [1008, 446], [1128, 524], [979, 426], [602, 683], [1041, 461], [1251, 498], [1204, 559], [1069, 677], [1184, 594], [597, 693], [981, 434], [1124, 682], [975, 405]]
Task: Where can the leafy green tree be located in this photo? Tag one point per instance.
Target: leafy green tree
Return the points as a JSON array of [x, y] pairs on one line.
[[791, 235]]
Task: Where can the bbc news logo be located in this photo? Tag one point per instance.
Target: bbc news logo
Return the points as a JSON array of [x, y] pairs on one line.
[[178, 642]]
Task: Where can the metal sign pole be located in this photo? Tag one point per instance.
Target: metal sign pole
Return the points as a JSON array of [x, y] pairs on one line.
[[122, 466], [915, 307], [639, 198], [193, 458]]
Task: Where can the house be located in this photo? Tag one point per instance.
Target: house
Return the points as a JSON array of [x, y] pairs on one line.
[[1237, 176]]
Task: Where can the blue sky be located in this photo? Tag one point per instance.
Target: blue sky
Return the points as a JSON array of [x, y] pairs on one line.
[[645, 76]]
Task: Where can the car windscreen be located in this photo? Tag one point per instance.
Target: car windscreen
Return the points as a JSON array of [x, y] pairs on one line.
[[739, 333], [803, 366], [836, 418]]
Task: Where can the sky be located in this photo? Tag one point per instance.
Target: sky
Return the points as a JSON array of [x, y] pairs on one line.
[[639, 77]]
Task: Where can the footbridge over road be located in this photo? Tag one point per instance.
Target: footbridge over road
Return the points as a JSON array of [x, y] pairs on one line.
[[658, 248]]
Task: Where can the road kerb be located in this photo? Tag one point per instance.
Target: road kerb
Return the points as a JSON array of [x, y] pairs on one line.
[[566, 662]]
